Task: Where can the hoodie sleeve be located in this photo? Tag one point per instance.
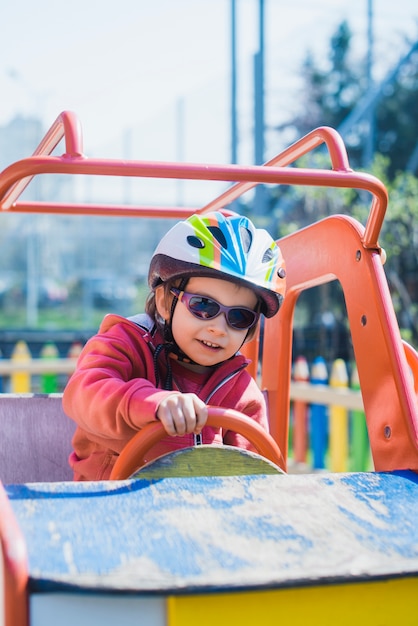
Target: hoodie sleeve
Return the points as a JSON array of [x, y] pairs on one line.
[[112, 394]]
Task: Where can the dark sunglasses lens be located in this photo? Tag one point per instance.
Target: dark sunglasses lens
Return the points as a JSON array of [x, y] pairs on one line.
[[205, 308], [241, 318]]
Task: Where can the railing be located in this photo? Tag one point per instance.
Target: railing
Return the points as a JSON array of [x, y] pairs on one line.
[[47, 374], [328, 427], [328, 424]]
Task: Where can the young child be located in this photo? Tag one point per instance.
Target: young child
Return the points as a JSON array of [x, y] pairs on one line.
[[211, 277]]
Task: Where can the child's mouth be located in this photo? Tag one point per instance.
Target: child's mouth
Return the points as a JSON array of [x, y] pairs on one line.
[[209, 344]]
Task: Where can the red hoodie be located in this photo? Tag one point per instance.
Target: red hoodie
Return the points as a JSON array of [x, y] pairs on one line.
[[113, 394]]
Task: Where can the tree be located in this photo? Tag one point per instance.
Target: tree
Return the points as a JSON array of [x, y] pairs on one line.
[[399, 238], [338, 87], [331, 93], [396, 121]]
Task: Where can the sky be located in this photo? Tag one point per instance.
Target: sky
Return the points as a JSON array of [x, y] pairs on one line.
[[151, 79]]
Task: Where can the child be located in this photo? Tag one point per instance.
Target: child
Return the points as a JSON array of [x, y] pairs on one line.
[[210, 278]]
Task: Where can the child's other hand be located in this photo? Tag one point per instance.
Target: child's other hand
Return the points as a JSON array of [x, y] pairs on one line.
[[182, 413]]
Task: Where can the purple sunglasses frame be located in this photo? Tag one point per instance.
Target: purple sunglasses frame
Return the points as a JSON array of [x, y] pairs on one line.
[[185, 297]]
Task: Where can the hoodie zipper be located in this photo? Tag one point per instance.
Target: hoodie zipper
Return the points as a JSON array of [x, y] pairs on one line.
[[198, 438]]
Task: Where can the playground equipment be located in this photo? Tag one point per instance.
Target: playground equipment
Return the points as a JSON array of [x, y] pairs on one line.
[[229, 545]]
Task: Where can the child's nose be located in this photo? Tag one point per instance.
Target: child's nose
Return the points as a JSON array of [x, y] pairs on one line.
[[219, 324]]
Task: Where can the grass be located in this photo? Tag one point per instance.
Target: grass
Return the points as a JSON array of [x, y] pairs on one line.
[[67, 316]]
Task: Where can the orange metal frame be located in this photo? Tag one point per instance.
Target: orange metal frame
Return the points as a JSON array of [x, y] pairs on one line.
[[14, 567], [337, 247], [334, 249]]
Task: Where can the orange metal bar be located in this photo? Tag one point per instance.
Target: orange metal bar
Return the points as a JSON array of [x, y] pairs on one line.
[[259, 174], [251, 351], [68, 126], [35, 165], [14, 179], [14, 566], [65, 126], [412, 359], [312, 140], [313, 256], [115, 210]]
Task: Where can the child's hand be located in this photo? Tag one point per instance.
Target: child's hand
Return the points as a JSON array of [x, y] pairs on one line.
[[182, 413]]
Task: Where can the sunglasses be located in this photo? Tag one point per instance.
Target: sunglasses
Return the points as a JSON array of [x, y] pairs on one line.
[[204, 308]]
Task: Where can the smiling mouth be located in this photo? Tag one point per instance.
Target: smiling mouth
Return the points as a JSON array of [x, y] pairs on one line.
[[209, 344]]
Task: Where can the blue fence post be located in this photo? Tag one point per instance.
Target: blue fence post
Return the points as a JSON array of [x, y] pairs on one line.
[[319, 416]]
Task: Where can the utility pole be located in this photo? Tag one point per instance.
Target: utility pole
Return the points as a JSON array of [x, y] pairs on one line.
[[368, 151], [260, 204], [180, 126], [259, 90], [234, 125]]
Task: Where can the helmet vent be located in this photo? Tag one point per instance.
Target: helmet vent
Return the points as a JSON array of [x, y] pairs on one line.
[[219, 236], [267, 256], [246, 239], [195, 242]]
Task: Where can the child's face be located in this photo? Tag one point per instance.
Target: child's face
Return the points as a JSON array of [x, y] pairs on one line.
[[210, 341]]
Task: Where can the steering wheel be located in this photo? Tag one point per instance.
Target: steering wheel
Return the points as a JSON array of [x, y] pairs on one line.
[[132, 456]]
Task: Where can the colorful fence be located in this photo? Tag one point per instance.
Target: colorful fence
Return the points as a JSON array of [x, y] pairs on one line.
[[328, 426], [47, 374]]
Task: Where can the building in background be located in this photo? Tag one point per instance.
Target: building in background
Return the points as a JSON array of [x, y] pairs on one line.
[[78, 263]]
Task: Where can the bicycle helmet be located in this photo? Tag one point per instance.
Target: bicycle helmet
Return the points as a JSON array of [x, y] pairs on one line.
[[221, 246]]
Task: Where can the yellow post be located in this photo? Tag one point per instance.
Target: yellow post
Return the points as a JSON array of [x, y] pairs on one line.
[[338, 416], [20, 379]]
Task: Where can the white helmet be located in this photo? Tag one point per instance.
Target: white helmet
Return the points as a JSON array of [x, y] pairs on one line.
[[228, 247]]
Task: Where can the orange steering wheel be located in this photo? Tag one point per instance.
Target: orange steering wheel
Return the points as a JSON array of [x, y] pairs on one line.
[[132, 456]]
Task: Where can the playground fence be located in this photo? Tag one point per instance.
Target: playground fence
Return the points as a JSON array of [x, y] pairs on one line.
[[327, 426]]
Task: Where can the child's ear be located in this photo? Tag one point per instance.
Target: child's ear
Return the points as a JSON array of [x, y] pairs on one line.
[[161, 303]]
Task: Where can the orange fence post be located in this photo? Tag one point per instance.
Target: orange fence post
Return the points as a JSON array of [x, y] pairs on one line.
[[74, 352], [75, 349], [300, 413]]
